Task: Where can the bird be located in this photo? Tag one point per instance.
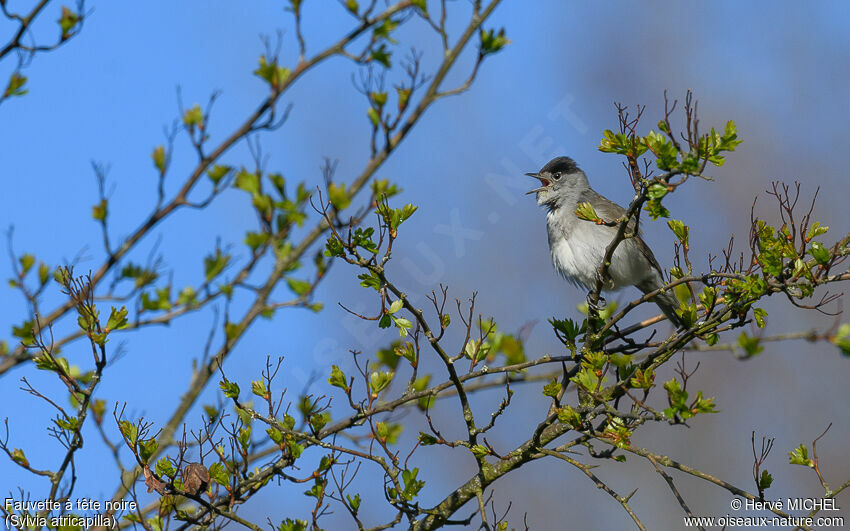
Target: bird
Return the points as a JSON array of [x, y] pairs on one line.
[[577, 246]]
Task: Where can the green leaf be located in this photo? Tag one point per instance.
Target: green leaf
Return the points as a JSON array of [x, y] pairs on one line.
[[381, 55], [568, 328], [295, 449], [403, 97], [117, 319], [816, 230], [374, 116], [129, 430], [820, 253], [19, 457], [677, 398], [680, 230], [255, 240], [214, 264], [552, 388], [643, 379], [217, 173], [656, 191], [161, 302], [158, 157], [334, 247], [421, 384], [691, 164], [708, 297], [479, 450], [320, 420], [187, 297], [492, 42], [800, 456], [387, 432], [26, 261], [379, 380], [688, 314], [247, 181], [338, 196], [219, 474], [586, 212], [43, 273], [381, 188], [193, 117], [99, 210], [379, 99], [426, 439], [338, 378], [412, 486], [231, 389], [67, 424], [408, 352], [67, 21], [615, 143], [164, 468], [231, 330], [403, 325], [842, 339], [245, 437], [16, 85], [765, 480], [476, 350], [147, 449], [299, 287], [702, 405], [355, 501], [395, 306], [141, 276], [662, 148], [729, 140], [388, 357], [258, 387], [595, 361], [271, 73], [394, 217], [275, 435], [655, 209], [212, 412], [568, 415], [759, 315], [363, 238], [24, 332], [750, 344], [292, 525]]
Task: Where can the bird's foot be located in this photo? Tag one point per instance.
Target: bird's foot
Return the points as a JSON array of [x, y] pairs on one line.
[[599, 305]]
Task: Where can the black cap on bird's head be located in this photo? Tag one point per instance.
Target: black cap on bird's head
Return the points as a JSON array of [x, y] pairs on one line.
[[560, 164], [553, 171]]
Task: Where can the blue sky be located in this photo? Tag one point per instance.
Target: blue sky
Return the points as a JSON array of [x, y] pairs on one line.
[[780, 69]]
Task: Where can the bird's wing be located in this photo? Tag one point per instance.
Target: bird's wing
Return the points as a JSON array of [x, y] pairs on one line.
[[610, 211], [607, 209], [647, 252]]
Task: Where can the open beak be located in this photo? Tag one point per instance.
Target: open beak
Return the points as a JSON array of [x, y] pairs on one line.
[[543, 181]]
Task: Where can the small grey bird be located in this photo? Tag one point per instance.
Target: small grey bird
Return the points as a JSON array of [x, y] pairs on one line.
[[578, 246]]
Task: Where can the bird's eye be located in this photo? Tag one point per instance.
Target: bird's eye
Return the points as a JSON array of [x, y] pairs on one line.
[[556, 175]]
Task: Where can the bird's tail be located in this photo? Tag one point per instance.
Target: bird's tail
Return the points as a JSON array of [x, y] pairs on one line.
[[666, 301]]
